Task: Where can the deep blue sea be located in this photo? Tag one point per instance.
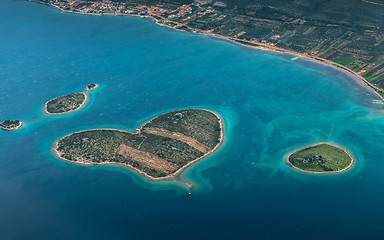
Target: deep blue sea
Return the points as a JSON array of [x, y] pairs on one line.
[[271, 104]]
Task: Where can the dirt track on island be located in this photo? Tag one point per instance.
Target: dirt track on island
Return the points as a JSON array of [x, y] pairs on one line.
[[178, 136], [147, 159]]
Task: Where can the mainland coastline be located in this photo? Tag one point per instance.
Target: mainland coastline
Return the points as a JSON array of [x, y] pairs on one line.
[[171, 176], [352, 163], [242, 42]]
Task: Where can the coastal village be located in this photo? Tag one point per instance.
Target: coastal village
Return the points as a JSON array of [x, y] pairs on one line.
[[359, 51]]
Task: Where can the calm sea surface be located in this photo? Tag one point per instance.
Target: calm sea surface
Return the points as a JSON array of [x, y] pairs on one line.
[[271, 105]]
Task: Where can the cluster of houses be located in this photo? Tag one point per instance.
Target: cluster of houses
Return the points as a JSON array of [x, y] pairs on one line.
[[90, 7], [184, 9]]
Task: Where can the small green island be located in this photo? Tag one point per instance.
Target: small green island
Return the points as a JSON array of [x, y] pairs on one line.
[[65, 104], [91, 86], [160, 149], [320, 159], [11, 125]]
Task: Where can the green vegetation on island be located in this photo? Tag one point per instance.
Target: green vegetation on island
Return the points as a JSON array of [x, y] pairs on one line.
[[161, 148], [91, 86], [11, 125], [65, 104], [321, 158]]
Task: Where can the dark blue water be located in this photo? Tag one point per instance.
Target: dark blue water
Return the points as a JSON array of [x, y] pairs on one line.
[[271, 105]]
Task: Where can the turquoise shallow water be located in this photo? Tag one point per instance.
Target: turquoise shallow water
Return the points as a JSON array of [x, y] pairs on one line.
[[271, 105]]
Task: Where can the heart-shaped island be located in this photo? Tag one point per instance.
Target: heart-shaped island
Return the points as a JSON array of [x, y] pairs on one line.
[[162, 148]]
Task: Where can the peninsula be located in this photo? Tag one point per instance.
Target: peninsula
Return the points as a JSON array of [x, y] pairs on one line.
[[325, 32], [320, 159], [162, 148], [65, 104], [11, 125]]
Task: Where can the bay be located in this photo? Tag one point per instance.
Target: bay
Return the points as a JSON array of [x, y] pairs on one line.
[[271, 105]]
